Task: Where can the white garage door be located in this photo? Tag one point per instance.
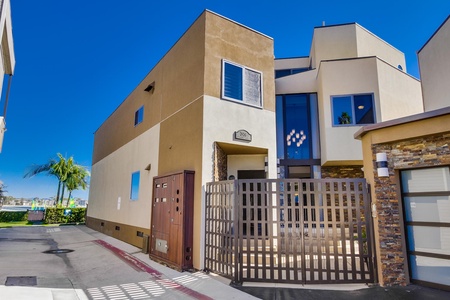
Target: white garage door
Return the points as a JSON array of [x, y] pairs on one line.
[[426, 203]]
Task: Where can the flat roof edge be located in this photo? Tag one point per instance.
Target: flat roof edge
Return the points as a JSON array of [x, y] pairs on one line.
[[400, 121], [434, 33], [237, 23]]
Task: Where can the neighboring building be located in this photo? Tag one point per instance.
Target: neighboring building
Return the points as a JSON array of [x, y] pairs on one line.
[[7, 62], [412, 204], [207, 106], [350, 78], [434, 63]]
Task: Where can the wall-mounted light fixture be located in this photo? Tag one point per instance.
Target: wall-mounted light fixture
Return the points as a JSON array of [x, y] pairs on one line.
[[150, 87], [382, 165]]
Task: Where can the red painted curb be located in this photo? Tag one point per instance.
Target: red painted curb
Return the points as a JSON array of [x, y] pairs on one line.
[[139, 265]]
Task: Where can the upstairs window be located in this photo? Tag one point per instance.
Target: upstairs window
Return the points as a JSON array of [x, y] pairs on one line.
[[139, 116], [241, 84], [134, 194], [353, 110], [287, 72]]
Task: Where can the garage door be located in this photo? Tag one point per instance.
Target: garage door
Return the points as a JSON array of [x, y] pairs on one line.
[[426, 204]]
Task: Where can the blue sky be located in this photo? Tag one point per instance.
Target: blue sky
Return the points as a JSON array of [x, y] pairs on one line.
[[78, 60]]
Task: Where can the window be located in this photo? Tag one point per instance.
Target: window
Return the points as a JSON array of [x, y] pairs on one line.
[[297, 127], [353, 110], [241, 84], [287, 72], [139, 116], [135, 185]]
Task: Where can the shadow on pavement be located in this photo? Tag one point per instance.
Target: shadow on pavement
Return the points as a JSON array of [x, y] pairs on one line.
[[412, 292]]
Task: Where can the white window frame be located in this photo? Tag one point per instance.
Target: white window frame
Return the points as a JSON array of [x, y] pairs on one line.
[[243, 101]]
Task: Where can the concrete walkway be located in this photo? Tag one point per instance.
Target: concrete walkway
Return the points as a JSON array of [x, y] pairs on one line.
[[85, 264], [99, 267]]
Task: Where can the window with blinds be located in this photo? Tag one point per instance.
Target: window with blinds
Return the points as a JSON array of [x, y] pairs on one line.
[[241, 84]]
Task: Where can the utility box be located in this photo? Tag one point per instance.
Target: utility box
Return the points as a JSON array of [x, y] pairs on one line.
[[171, 226], [36, 215]]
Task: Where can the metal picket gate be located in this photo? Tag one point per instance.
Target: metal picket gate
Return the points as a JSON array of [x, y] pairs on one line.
[[290, 231]]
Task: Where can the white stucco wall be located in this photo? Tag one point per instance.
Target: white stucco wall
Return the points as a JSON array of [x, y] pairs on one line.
[[400, 94], [6, 37], [333, 42], [368, 44], [434, 62], [244, 162], [305, 82], [347, 77], [222, 118], [291, 63], [111, 180]]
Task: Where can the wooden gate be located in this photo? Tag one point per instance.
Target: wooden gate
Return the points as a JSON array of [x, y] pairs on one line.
[[290, 231]]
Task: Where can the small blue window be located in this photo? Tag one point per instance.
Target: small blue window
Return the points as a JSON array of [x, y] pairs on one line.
[[135, 185], [353, 110], [233, 82], [139, 116]]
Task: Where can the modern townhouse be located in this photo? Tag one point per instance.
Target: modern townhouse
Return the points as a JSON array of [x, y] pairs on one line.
[[351, 78]]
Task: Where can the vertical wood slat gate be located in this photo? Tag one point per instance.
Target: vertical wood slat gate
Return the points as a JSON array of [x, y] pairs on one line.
[[290, 230]]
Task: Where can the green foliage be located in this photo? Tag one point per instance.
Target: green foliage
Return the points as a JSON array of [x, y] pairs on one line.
[[345, 118], [13, 216], [69, 174], [14, 224], [55, 215]]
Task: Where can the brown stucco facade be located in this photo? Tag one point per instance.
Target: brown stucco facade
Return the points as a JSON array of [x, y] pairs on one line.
[[174, 134]]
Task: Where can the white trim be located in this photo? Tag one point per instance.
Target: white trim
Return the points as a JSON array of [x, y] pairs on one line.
[[261, 80]]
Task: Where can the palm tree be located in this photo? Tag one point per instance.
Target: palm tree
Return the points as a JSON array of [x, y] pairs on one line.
[[69, 174], [77, 179], [62, 168], [2, 191], [46, 168], [345, 118]]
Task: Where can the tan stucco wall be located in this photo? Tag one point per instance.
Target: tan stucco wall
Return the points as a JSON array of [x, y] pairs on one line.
[[434, 62], [190, 72], [180, 148], [236, 43], [178, 81], [111, 180]]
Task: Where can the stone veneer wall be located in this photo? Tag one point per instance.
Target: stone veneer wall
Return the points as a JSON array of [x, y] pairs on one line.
[[427, 151], [220, 164], [342, 172]]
